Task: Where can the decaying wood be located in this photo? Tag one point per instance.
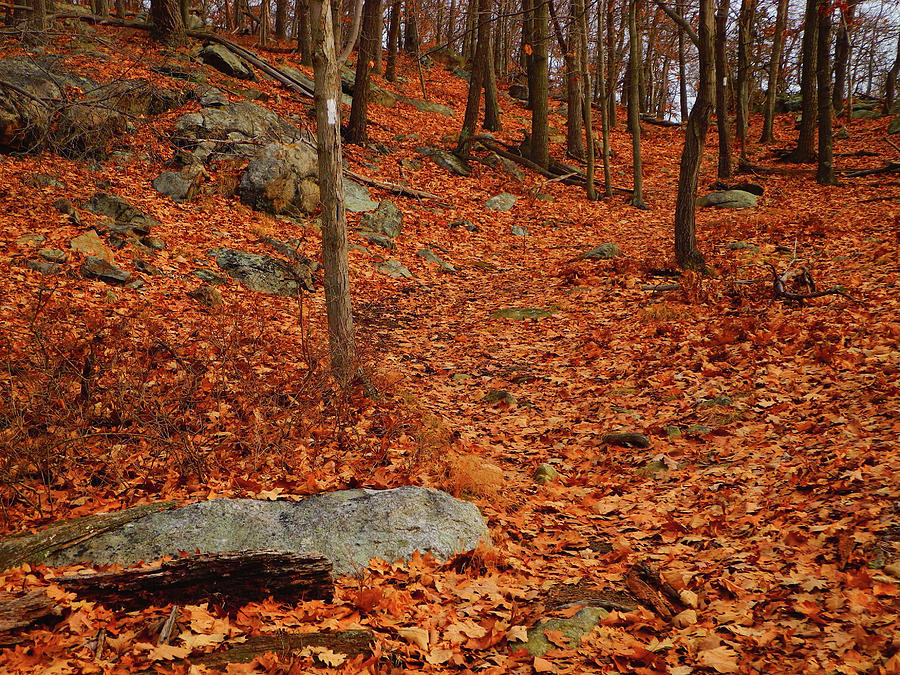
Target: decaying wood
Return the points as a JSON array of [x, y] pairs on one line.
[[803, 278], [891, 167], [350, 642], [645, 584], [23, 611], [36, 547], [231, 579]]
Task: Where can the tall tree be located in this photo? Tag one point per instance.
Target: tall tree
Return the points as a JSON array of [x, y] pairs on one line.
[[480, 72], [390, 69], [605, 89], [580, 12], [682, 75], [168, 27], [890, 83], [281, 10], [774, 71], [539, 85], [745, 34], [805, 150], [722, 90], [686, 252], [842, 53], [634, 103], [369, 42], [301, 10], [569, 45], [341, 334], [825, 169]]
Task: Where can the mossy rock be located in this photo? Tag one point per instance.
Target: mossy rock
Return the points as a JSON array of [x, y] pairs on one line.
[[545, 473], [573, 629], [520, 313], [499, 396]]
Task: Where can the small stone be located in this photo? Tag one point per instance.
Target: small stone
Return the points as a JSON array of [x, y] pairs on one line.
[[728, 199], [387, 219], [64, 206], [460, 377], [91, 244], [519, 231], [379, 240], [465, 224], [605, 251], [209, 277], [53, 255], [207, 295], [499, 396], [628, 439], [42, 266], [652, 467], [394, 269], [698, 430], [502, 202], [95, 267], [741, 246], [519, 313], [430, 256], [545, 473], [30, 239], [155, 243]]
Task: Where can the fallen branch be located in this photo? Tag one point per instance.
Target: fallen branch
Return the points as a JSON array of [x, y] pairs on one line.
[[232, 579], [21, 612], [660, 287], [890, 168], [390, 187], [804, 278], [350, 642]]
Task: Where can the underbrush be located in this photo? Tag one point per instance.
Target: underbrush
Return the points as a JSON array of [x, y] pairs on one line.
[[101, 407]]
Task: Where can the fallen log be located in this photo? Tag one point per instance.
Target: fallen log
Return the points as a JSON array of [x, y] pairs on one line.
[[231, 579], [658, 122], [350, 642], [402, 190], [36, 547], [24, 611], [890, 168]]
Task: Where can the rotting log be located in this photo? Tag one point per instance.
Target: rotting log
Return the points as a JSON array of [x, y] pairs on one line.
[[350, 642], [18, 612], [231, 579], [38, 546]]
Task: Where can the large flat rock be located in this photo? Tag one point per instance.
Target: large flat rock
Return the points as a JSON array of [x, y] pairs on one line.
[[349, 527]]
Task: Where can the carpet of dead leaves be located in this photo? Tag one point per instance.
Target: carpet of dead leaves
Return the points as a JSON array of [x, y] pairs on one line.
[[770, 491]]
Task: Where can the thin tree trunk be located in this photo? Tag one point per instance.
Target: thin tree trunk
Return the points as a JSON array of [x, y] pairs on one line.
[[303, 32], [411, 35], [540, 142], [634, 102], [774, 70], [476, 81], [491, 95], [341, 336], [724, 170], [356, 126], [805, 151], [612, 65], [581, 15], [390, 70], [682, 76], [686, 251], [842, 55], [745, 30], [37, 20], [890, 83], [604, 108], [378, 67], [825, 169], [471, 30]]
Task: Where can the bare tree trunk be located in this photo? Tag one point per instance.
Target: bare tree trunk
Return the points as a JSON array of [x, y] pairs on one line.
[[37, 19], [341, 335], [825, 168], [263, 23], [281, 19], [539, 88], [120, 9], [721, 91], [476, 83], [167, 25], [528, 46], [612, 65], [580, 12], [303, 36], [682, 76], [471, 28], [842, 54], [411, 34], [890, 83], [378, 67], [368, 43], [634, 102], [491, 95], [571, 49], [805, 151], [686, 252], [605, 90], [390, 70], [774, 70], [745, 29]]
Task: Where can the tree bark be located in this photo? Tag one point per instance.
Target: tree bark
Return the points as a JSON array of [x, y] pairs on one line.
[[168, 27], [612, 64], [580, 12], [539, 88], [682, 75], [890, 83], [805, 152], [724, 170], [825, 168], [774, 72], [634, 102], [301, 8], [842, 54], [686, 251], [390, 69], [233, 578], [368, 43], [37, 19], [745, 30], [281, 19], [604, 108], [341, 335], [411, 34], [20, 612]]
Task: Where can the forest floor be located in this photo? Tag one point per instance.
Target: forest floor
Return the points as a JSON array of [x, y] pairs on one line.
[[769, 492]]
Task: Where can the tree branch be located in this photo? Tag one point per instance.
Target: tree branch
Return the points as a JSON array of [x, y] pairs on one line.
[[680, 20]]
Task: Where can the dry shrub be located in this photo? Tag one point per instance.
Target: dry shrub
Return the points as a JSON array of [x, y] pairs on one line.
[[472, 475]]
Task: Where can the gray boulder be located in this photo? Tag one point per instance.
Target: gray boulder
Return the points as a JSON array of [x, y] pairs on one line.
[[504, 164], [181, 185], [394, 269], [431, 257], [357, 198], [95, 267], [502, 202], [387, 219], [519, 91], [348, 527], [264, 273], [240, 126], [121, 212], [281, 178], [605, 251], [222, 59], [379, 240], [728, 199], [445, 160], [429, 106]]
